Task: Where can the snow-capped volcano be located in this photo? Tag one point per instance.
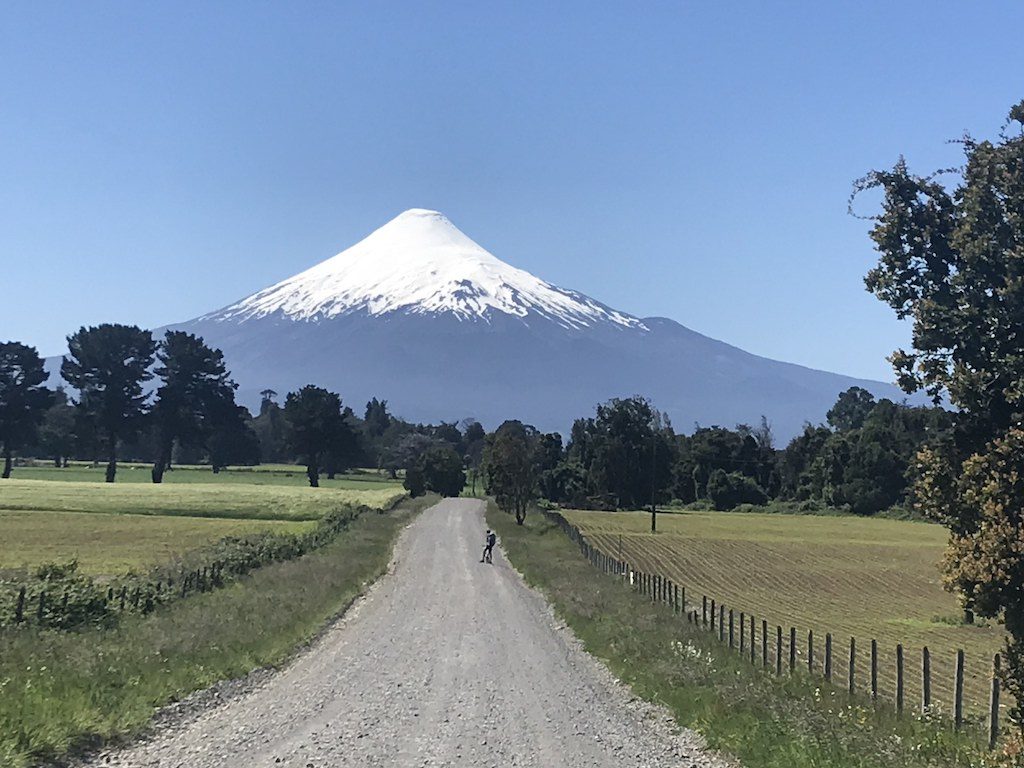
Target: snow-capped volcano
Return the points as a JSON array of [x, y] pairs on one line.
[[420, 315], [421, 263]]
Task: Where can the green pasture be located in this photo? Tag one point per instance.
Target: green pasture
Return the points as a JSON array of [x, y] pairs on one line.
[[270, 474], [106, 544], [237, 500]]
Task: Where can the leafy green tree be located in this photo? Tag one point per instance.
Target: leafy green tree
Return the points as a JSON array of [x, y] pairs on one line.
[[108, 364], [510, 467], [231, 440], [952, 261], [377, 419], [437, 469], [271, 429], [473, 436], [632, 452], [23, 397], [850, 410], [57, 438], [316, 426], [195, 389], [728, 490]]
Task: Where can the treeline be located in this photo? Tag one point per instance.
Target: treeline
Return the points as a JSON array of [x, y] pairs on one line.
[[628, 456], [189, 415]]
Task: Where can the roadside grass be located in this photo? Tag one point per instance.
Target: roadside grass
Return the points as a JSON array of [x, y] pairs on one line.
[[107, 544], [791, 722], [271, 474], [241, 500], [850, 576], [61, 692]]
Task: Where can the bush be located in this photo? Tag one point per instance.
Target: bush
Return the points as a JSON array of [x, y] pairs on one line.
[[730, 489]]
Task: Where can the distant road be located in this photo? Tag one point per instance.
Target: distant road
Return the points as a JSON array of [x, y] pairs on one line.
[[448, 662]]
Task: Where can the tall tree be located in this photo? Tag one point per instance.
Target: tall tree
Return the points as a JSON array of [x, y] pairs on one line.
[[851, 409], [438, 469], [316, 426], [377, 417], [23, 398], [511, 468], [57, 438], [195, 389], [953, 262], [108, 364]]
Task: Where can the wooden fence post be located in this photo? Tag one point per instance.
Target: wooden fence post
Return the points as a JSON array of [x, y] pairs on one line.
[[704, 609], [778, 650], [732, 631], [926, 680], [792, 650], [958, 691], [851, 674], [899, 679], [713, 614], [993, 705], [19, 609], [753, 640], [764, 642], [743, 632], [828, 656], [721, 623], [810, 650], [874, 670]]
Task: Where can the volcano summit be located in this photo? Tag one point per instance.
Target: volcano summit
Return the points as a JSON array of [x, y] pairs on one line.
[[420, 314]]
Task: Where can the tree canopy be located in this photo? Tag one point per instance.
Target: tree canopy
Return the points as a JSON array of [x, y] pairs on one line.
[[196, 396], [23, 397], [952, 261], [108, 364]]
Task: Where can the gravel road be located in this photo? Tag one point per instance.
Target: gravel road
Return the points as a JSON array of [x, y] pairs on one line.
[[447, 662]]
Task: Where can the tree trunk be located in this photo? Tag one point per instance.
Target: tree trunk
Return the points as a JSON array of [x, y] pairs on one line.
[[520, 514], [56, 461], [7, 461], [313, 473], [112, 458], [163, 460]]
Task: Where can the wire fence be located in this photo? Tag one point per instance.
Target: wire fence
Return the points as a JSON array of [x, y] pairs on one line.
[[780, 650]]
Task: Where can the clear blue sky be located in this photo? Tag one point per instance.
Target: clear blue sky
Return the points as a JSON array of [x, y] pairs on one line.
[[690, 160]]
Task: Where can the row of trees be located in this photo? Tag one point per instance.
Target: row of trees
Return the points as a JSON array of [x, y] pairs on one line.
[[628, 456], [108, 366], [189, 415]]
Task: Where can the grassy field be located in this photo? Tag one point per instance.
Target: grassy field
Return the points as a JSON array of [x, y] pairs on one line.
[[764, 721], [268, 474], [240, 499], [60, 691], [110, 544], [852, 577]]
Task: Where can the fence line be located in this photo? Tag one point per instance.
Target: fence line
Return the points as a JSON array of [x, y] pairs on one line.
[[661, 590]]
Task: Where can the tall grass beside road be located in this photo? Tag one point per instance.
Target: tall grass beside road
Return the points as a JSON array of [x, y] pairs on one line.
[[60, 692]]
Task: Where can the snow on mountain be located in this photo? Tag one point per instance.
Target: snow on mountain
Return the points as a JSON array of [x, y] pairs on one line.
[[421, 263]]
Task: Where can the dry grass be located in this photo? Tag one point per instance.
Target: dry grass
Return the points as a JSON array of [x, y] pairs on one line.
[[852, 577]]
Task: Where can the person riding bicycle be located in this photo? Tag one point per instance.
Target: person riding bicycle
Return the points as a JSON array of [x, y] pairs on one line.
[[488, 546]]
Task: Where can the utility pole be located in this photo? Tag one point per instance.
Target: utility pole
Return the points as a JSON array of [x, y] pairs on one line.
[[654, 480]]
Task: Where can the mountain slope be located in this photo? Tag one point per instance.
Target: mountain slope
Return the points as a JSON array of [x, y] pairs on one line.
[[420, 314]]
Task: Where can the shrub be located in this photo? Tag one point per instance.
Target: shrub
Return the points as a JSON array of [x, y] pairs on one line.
[[730, 489]]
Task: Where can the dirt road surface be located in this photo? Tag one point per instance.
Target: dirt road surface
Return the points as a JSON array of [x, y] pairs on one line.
[[447, 662]]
